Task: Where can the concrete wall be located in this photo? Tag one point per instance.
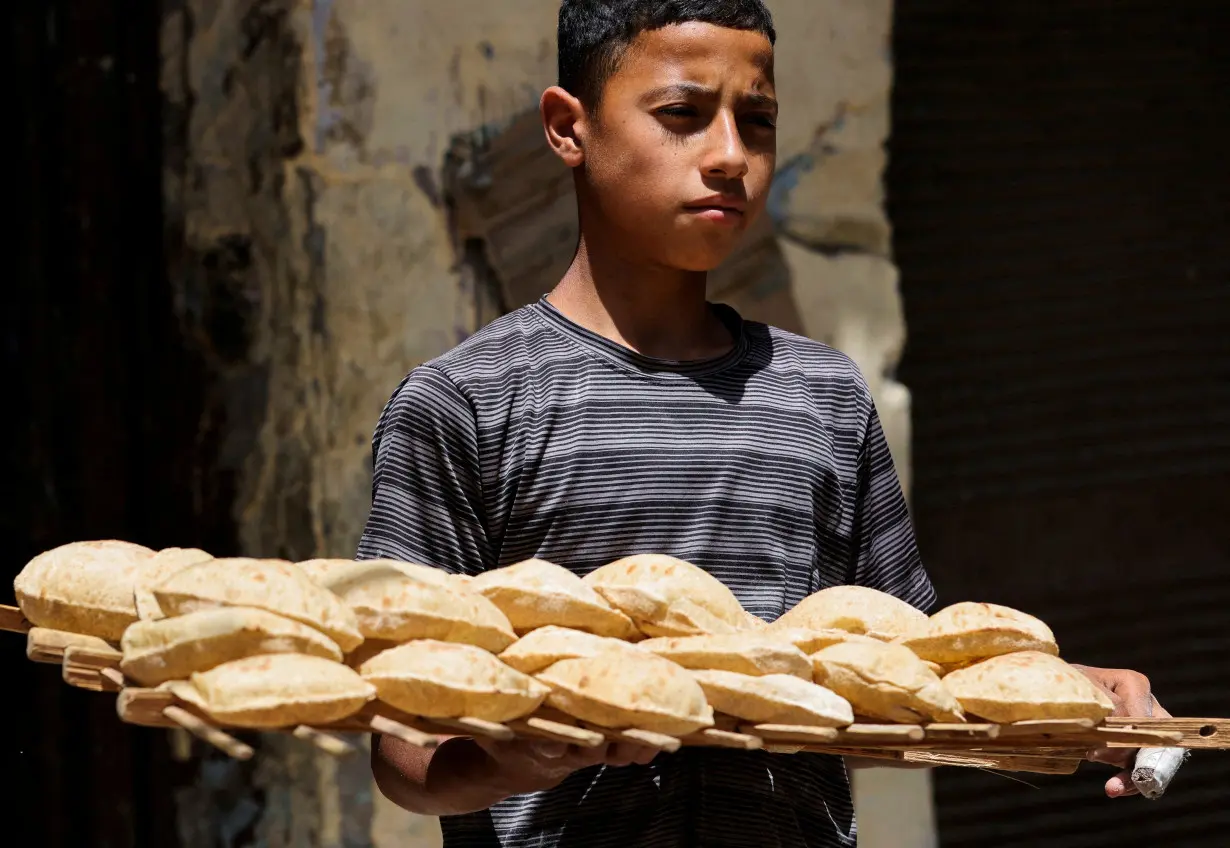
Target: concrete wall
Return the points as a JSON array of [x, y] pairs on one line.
[[319, 253]]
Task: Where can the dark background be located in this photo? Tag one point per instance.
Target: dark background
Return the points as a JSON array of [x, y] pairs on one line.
[[1059, 194]]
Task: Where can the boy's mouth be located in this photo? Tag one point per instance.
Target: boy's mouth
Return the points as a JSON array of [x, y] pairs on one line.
[[719, 208]]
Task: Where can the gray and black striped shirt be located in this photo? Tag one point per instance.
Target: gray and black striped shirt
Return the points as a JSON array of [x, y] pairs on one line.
[[766, 466]]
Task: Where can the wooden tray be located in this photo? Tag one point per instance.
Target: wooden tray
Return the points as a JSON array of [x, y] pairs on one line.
[[1048, 747]]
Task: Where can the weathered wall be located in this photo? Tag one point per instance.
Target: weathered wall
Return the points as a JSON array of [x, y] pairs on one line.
[[321, 257]]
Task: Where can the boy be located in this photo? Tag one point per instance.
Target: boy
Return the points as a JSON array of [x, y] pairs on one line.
[[623, 414]]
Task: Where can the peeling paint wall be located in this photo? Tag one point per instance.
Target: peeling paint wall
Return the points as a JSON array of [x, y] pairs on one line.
[[315, 264]]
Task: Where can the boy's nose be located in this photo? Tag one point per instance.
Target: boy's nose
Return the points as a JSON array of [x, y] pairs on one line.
[[726, 156]]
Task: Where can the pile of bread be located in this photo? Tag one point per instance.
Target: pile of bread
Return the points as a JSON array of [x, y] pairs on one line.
[[647, 642]]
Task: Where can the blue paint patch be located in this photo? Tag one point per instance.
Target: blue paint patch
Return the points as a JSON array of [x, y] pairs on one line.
[[326, 116], [785, 181]]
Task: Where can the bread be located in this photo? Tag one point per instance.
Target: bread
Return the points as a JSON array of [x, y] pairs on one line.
[[83, 587], [856, 609], [665, 596], [536, 593], [622, 689], [886, 682], [273, 585], [450, 680], [969, 632], [275, 690], [1027, 686], [774, 699], [175, 648], [752, 653], [809, 641], [399, 601], [548, 645], [164, 563]]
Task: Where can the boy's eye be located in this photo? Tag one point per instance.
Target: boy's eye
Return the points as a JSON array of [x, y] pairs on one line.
[[680, 111], [763, 120]]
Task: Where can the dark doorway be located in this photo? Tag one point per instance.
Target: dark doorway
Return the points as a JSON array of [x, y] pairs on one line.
[[103, 401], [1060, 198]]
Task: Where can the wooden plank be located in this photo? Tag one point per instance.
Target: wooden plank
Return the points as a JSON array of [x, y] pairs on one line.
[[544, 728], [469, 727], [47, 646], [89, 657], [407, 734], [714, 738], [960, 732], [1196, 732], [648, 738], [144, 707], [791, 733], [1046, 728], [326, 742], [1123, 737], [12, 620], [202, 730], [886, 734], [996, 761], [86, 677]]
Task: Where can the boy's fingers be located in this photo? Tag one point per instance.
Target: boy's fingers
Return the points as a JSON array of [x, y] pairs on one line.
[[1121, 785]]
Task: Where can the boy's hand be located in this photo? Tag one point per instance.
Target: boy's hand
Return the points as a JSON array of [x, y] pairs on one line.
[[1132, 696], [533, 765]]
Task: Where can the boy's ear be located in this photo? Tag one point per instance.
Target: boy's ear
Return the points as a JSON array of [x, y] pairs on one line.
[[563, 120]]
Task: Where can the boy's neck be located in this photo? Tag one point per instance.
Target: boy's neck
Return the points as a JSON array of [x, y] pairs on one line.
[[653, 310]]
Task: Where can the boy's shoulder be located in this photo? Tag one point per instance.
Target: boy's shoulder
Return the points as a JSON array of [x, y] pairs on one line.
[[499, 346], [814, 359]]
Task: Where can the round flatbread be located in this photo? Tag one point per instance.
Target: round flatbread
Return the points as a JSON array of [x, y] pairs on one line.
[[809, 641], [175, 648], [623, 689], [885, 681], [665, 596], [400, 601], [548, 645], [269, 584], [774, 699], [753, 653], [164, 563], [968, 632], [1027, 686], [536, 593], [275, 690], [856, 609], [83, 587], [451, 680]]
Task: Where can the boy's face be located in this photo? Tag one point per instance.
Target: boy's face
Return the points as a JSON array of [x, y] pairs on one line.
[[680, 154]]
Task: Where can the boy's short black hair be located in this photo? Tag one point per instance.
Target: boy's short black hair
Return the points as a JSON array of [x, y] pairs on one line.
[[593, 34]]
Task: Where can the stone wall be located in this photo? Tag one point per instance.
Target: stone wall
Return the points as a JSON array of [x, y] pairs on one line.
[[333, 185]]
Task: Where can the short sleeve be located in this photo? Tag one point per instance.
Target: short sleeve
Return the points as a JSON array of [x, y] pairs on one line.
[[427, 504], [885, 551]]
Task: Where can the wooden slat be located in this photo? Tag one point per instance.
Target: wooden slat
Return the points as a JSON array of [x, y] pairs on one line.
[[202, 730], [47, 646], [470, 727], [144, 707], [86, 677], [323, 741], [791, 733], [1121, 737], [648, 738], [1044, 728], [544, 728], [887, 734], [714, 738], [90, 657], [996, 761], [407, 734], [1196, 732], [960, 732], [12, 620]]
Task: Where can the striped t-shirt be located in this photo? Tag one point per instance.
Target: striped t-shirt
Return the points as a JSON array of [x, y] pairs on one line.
[[766, 466]]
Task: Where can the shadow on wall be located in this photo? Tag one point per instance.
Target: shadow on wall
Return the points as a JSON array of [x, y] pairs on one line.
[[512, 215]]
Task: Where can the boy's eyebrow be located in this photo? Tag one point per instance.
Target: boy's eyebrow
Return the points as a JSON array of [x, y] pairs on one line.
[[691, 89]]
